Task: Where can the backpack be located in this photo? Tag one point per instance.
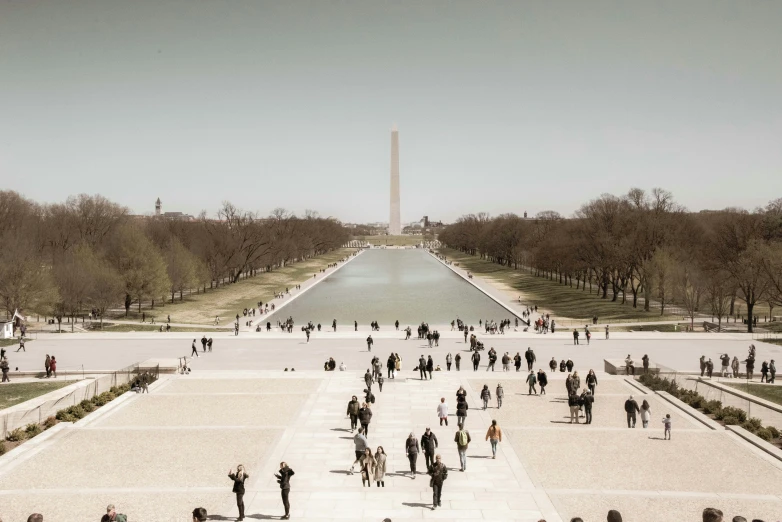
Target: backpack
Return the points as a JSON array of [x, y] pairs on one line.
[[462, 438]]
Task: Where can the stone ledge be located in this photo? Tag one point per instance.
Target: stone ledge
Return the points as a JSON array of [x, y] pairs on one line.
[[689, 410], [618, 367], [756, 441], [738, 393]]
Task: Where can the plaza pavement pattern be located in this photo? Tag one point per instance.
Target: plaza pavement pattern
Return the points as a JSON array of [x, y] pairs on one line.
[[158, 456]]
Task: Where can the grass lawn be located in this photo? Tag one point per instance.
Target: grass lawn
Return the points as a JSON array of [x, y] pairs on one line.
[[392, 240], [226, 301], [561, 300], [13, 393], [770, 393]]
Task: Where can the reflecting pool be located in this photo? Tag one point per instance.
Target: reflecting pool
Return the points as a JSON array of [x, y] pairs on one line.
[[388, 285]]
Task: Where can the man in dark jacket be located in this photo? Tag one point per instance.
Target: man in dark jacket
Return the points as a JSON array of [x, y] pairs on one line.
[[422, 367], [569, 365], [631, 407], [772, 370], [439, 473], [368, 378], [370, 342], [476, 359], [284, 479], [391, 365], [586, 403], [353, 407], [543, 381], [429, 445], [365, 416], [430, 366], [461, 410], [529, 355]]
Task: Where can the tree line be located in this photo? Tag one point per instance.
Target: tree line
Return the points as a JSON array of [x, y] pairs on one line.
[[642, 246], [89, 253]]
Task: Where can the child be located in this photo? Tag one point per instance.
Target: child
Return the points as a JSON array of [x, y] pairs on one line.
[[667, 423]]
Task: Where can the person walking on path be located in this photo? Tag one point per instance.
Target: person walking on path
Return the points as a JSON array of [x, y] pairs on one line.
[[500, 394], [667, 425], [370, 342], [591, 382], [422, 367], [517, 361], [506, 362], [735, 366], [238, 478], [529, 355], [461, 393], [531, 381], [725, 358], [461, 410], [702, 362], [284, 479], [439, 474], [355, 326], [334, 324], [485, 396], [646, 413], [448, 360], [412, 449], [194, 349], [458, 361], [494, 435], [360, 442], [203, 343], [442, 411], [606, 332], [476, 359], [380, 466], [543, 381], [391, 365], [772, 370], [364, 418], [52, 366], [397, 363], [492, 360], [429, 445], [380, 382], [4, 368], [367, 467], [430, 367], [569, 365], [631, 407], [709, 367], [587, 399], [368, 378], [462, 440], [21, 344], [47, 364], [572, 402], [575, 336], [552, 364]]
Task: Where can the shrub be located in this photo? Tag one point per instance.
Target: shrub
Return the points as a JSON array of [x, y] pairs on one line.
[[696, 401], [2, 447], [99, 400], [732, 411], [712, 406], [16, 436], [32, 430], [113, 390], [774, 432], [730, 420], [87, 406], [764, 434], [49, 422], [66, 416], [77, 411], [752, 425]]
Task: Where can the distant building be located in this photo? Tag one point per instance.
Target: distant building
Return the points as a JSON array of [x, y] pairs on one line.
[[158, 207], [181, 216]]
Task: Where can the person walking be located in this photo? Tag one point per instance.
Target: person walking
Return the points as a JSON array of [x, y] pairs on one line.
[[462, 440], [506, 362], [364, 418], [531, 381], [572, 402], [442, 411], [52, 366], [458, 361], [631, 407], [587, 399], [368, 379], [667, 425], [391, 365], [355, 326], [448, 360], [361, 443], [47, 364], [646, 413], [397, 363], [461, 410], [439, 474], [367, 467], [575, 336], [370, 342], [702, 363], [591, 382], [543, 381], [284, 479], [429, 445], [353, 407], [238, 478], [492, 360], [500, 394], [422, 367], [735, 366], [476, 359], [380, 382], [4, 369], [485, 396], [194, 349], [606, 332], [380, 465], [529, 355], [412, 449], [494, 435], [334, 324], [772, 370], [430, 367], [517, 361]]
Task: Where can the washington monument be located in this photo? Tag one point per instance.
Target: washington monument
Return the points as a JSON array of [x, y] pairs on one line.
[[394, 222]]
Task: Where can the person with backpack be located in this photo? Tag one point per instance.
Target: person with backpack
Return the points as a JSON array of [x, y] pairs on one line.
[[429, 444], [439, 473], [412, 449], [365, 416], [462, 440], [112, 515], [485, 396], [361, 444]]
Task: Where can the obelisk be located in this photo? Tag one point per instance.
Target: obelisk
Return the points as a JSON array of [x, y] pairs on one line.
[[395, 221]]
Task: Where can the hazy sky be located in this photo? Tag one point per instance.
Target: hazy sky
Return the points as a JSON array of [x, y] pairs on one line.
[[501, 106]]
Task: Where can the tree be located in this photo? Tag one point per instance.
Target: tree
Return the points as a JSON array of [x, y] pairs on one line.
[[107, 288], [74, 281], [25, 282], [139, 263], [181, 268], [719, 292]]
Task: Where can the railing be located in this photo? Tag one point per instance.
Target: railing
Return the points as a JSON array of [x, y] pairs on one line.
[[12, 418]]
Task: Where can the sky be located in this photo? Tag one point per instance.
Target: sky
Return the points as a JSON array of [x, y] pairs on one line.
[[501, 106]]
